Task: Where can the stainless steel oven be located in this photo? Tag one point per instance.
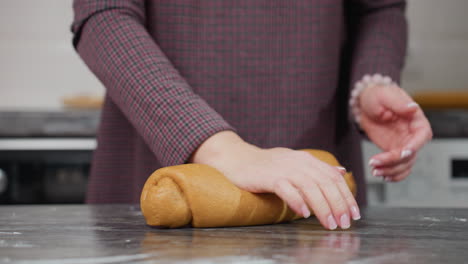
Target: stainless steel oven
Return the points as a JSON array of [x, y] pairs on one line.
[[45, 156], [44, 170]]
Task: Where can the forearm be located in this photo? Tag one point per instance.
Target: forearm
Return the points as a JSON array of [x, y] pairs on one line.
[[147, 88], [378, 33]]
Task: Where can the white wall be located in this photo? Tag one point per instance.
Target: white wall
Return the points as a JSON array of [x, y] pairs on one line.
[[38, 65], [438, 49]]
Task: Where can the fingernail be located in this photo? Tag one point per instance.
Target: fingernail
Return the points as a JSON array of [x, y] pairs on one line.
[[341, 168], [406, 153], [374, 162], [387, 179], [412, 104], [377, 173], [332, 223], [344, 221], [305, 211], [355, 213]]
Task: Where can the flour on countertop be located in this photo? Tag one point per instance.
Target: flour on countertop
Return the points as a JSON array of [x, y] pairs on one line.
[[95, 260], [10, 233], [433, 219], [147, 258], [404, 257], [229, 259]]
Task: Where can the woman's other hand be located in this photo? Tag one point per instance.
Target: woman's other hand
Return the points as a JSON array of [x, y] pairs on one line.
[[397, 125]]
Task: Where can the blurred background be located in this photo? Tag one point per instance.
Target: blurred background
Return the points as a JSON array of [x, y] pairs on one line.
[[49, 106]]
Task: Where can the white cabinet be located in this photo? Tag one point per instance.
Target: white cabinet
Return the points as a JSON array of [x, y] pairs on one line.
[[439, 177]]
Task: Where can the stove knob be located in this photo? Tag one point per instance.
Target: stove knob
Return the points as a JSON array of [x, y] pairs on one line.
[[3, 181]]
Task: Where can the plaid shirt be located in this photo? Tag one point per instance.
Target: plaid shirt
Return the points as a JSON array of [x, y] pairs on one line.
[[277, 72]]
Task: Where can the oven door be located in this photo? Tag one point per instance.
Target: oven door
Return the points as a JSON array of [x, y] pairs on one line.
[[44, 170]]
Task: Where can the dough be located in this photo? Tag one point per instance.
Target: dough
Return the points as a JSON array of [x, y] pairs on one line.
[[200, 196]]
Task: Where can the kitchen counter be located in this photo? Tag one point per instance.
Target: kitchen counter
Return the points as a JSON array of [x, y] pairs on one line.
[[118, 234], [49, 124]]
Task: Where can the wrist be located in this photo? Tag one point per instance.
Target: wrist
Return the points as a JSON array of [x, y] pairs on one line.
[[366, 83], [218, 147]]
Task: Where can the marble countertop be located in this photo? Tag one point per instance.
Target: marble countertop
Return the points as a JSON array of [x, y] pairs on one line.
[[118, 234]]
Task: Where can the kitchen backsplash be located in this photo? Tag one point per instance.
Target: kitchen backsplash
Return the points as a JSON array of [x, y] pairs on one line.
[[38, 66]]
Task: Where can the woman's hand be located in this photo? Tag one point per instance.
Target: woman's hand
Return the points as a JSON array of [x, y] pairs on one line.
[[301, 180], [396, 124]]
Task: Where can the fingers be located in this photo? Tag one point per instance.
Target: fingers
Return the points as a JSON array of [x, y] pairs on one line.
[[339, 199], [422, 132], [391, 166], [292, 197], [390, 158], [315, 186], [395, 161], [400, 176], [398, 160], [335, 199], [349, 198], [398, 101], [389, 172], [341, 170], [319, 204], [345, 193]]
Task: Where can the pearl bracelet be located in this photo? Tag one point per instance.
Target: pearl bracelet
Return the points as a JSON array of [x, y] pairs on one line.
[[366, 81]]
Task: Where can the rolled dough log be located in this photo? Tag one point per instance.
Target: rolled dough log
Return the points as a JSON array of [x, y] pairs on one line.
[[201, 196]]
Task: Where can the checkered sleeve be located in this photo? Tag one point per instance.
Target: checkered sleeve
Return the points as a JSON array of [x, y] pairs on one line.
[[378, 33], [110, 37]]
